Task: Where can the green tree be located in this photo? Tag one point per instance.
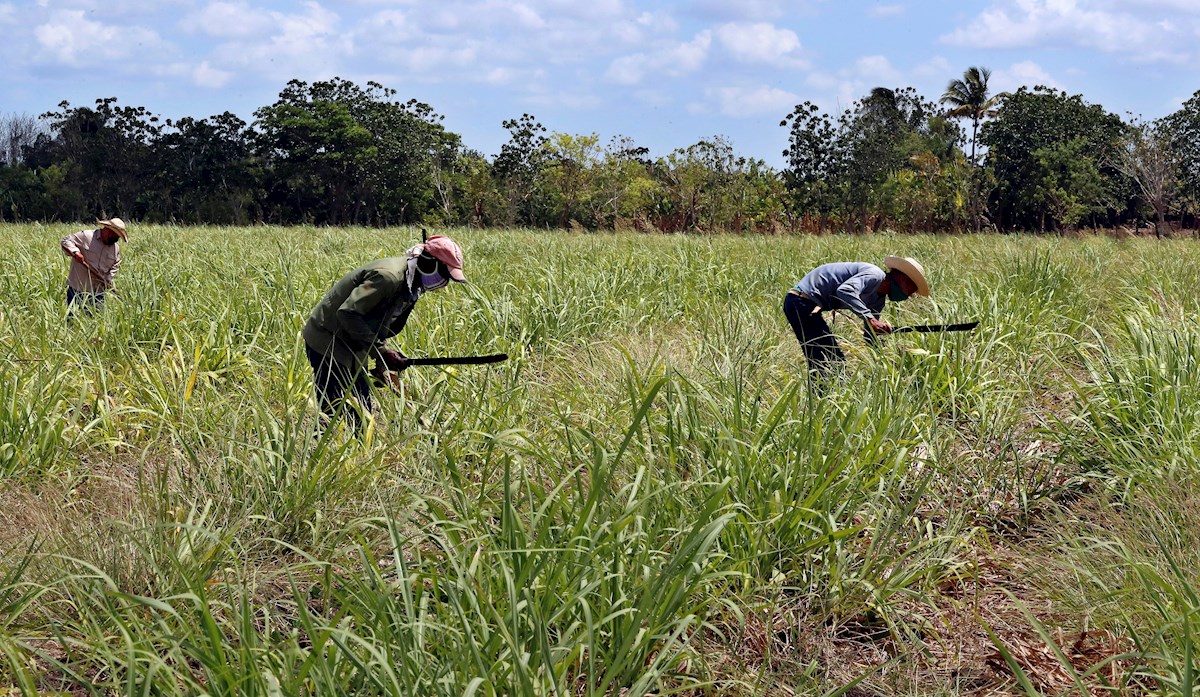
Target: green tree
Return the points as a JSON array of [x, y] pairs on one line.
[[1181, 131], [1021, 142], [625, 188], [104, 155], [1069, 184], [573, 162], [881, 133], [338, 153], [205, 170], [816, 163], [519, 168]]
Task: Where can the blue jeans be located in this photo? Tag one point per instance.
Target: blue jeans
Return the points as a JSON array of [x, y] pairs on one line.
[[816, 339], [86, 302]]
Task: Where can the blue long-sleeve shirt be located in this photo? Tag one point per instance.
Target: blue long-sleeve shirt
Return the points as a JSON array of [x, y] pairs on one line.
[[846, 285]]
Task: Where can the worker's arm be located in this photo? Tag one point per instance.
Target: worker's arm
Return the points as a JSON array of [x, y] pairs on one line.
[[352, 314], [393, 359], [850, 293], [70, 246]]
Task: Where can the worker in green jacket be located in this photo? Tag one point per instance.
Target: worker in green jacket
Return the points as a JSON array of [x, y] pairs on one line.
[[366, 307]]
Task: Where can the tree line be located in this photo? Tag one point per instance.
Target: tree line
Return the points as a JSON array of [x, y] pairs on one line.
[[337, 153]]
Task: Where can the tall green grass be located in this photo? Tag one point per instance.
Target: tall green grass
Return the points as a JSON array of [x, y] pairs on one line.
[[611, 511]]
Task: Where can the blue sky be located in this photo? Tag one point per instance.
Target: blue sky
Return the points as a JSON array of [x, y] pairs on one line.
[[663, 73]]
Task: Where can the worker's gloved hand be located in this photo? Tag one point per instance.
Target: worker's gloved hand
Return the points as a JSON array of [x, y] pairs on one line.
[[879, 326], [393, 359]]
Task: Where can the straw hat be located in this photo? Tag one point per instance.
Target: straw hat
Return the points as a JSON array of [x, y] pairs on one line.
[[116, 225], [909, 267]]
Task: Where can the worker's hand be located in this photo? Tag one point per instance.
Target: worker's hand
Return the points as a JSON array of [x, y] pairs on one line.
[[393, 359], [78, 256], [879, 326]]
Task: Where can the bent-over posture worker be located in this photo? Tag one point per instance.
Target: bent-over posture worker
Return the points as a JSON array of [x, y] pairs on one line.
[[95, 259], [368, 306], [857, 287]]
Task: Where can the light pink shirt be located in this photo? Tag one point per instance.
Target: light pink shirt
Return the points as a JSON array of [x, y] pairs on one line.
[[105, 259]]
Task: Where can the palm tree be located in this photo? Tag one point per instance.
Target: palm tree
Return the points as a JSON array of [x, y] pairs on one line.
[[969, 97]]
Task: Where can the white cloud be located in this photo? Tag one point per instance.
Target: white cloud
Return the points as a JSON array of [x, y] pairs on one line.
[[741, 102], [686, 58], [1023, 74], [8, 13], [837, 91], [525, 16], [1116, 26], [821, 80], [656, 97], [232, 20], [760, 43], [674, 60], [499, 76], [69, 38], [590, 11], [628, 70], [750, 10], [884, 11], [878, 71], [205, 75], [937, 67], [394, 24], [567, 100], [438, 61], [638, 30], [306, 45], [1185, 6]]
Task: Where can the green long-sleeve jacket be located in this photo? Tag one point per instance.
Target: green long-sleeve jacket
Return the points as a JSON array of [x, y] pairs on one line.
[[366, 307]]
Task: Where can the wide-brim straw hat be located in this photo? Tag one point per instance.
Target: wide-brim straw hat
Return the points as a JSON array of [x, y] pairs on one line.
[[116, 225], [911, 268]]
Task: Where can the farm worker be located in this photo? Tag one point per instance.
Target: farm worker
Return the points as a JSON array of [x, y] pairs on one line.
[[368, 306], [95, 258], [855, 286]]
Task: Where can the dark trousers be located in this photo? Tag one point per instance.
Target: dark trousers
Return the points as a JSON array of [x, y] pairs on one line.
[[816, 339], [82, 301], [331, 380]]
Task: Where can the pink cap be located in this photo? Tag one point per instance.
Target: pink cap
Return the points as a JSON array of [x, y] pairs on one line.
[[448, 252]]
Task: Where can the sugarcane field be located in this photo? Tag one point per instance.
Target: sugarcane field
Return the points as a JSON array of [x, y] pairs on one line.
[[644, 491], [622, 348]]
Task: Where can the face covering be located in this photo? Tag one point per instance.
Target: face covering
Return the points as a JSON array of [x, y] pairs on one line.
[[431, 276], [896, 293], [433, 281]]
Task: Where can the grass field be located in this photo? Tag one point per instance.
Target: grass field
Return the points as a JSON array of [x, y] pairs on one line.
[[646, 498]]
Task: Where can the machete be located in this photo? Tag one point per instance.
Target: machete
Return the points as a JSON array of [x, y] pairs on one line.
[[459, 360], [382, 376], [873, 338], [926, 328]]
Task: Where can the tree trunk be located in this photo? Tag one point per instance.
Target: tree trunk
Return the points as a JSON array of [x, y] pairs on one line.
[[975, 177]]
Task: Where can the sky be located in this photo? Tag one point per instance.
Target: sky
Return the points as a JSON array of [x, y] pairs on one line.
[[663, 73]]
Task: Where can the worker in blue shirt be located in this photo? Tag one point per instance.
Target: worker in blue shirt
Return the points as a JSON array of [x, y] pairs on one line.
[[857, 287]]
